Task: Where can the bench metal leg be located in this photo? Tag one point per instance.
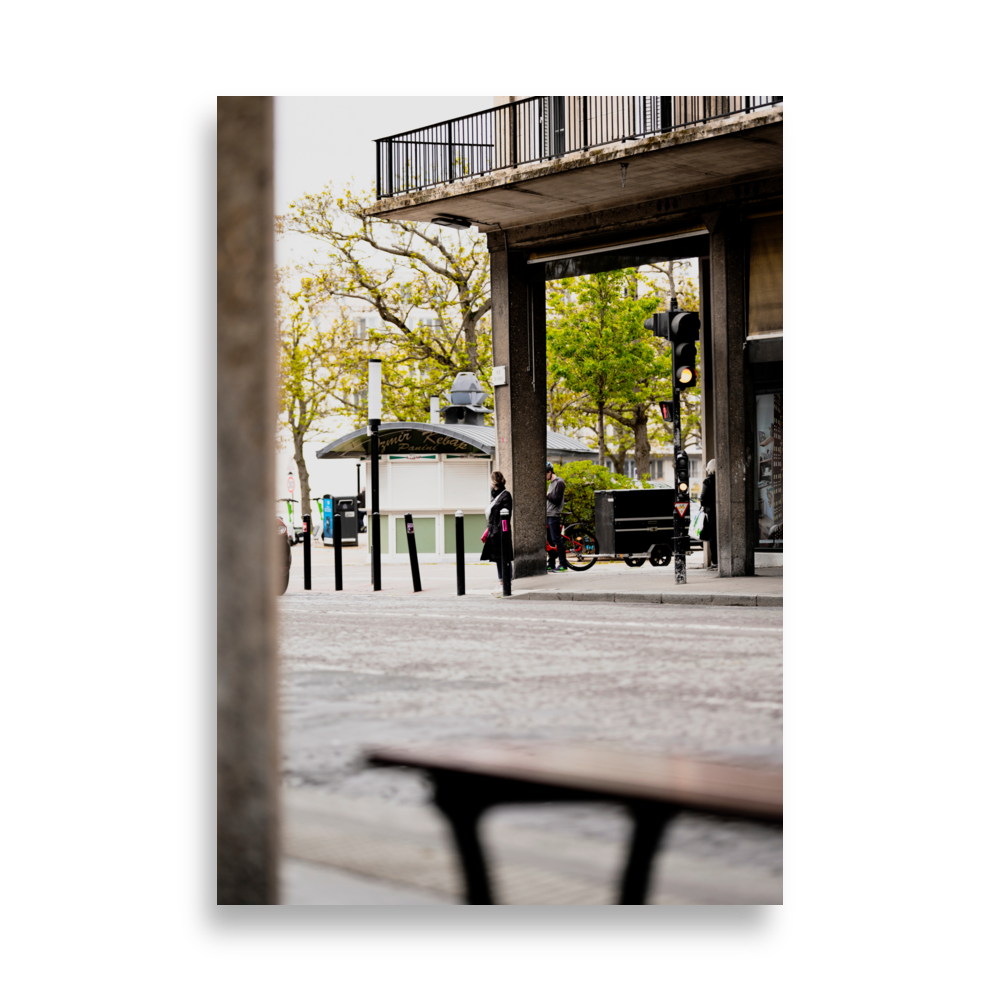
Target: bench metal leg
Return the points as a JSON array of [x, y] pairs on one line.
[[649, 822], [464, 819]]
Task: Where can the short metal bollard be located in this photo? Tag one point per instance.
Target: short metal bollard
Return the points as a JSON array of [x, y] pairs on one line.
[[307, 569], [411, 544], [504, 561], [338, 555], [460, 551]]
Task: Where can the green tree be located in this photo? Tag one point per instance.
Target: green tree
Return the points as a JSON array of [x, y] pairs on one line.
[[597, 346], [399, 270], [310, 345], [582, 479]]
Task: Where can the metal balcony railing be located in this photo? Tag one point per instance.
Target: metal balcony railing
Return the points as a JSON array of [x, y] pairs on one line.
[[533, 130]]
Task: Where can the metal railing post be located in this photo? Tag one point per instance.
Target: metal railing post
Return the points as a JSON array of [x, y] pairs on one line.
[[374, 524], [513, 135], [504, 561], [451, 154], [460, 551], [307, 572], [338, 558], [411, 544], [586, 126]]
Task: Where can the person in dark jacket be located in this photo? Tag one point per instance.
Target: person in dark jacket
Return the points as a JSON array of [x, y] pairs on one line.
[[500, 498], [555, 497], [708, 533]]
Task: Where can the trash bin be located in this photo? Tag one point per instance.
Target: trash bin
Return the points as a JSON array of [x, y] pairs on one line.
[[347, 508]]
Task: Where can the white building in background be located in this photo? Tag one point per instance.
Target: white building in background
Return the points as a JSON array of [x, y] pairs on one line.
[[661, 468], [432, 471]]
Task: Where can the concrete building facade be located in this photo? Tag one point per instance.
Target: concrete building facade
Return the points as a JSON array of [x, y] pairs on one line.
[[568, 186]]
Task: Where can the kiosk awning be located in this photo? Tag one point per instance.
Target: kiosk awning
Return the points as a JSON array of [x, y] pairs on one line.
[[442, 439]]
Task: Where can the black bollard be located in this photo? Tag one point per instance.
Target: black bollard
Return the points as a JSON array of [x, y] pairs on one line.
[[504, 561], [460, 551], [338, 556], [375, 531], [307, 568], [411, 544]]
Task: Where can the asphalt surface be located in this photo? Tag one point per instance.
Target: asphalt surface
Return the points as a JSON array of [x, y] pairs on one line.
[[366, 668]]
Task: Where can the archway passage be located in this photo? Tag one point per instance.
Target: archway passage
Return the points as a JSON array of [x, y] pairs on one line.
[[519, 332]]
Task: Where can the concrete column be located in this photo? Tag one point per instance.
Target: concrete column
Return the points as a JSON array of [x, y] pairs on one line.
[[519, 345], [707, 380], [247, 821], [732, 396]]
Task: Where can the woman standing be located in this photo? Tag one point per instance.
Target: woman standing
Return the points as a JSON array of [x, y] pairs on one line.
[[708, 533], [500, 499]]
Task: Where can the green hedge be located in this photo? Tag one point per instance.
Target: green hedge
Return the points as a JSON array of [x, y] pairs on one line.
[[582, 479]]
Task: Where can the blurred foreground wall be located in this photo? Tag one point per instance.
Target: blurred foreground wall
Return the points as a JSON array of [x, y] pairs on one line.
[[247, 711]]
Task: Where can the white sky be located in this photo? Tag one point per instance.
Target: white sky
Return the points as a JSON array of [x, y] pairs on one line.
[[321, 140]]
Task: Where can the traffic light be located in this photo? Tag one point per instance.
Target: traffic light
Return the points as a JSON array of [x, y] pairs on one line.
[[667, 409], [681, 329], [659, 323], [684, 327], [681, 475]]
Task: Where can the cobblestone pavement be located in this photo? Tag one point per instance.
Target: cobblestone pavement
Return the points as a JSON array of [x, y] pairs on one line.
[[367, 668]]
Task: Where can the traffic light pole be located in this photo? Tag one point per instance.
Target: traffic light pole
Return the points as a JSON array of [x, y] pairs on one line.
[[680, 328]]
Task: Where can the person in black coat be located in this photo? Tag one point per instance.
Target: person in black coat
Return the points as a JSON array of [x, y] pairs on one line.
[[500, 498], [708, 533]]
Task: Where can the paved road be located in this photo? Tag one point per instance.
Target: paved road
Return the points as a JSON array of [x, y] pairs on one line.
[[366, 668]]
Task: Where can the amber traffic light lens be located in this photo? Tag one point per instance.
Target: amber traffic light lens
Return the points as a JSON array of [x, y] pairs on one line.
[[685, 375], [682, 487]]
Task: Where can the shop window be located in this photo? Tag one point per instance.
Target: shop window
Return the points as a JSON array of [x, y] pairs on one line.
[[770, 463]]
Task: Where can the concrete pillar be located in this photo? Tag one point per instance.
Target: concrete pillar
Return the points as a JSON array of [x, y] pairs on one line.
[[247, 775], [732, 396], [707, 381], [518, 312]]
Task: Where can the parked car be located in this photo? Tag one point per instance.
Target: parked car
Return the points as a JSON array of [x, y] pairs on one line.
[[284, 557]]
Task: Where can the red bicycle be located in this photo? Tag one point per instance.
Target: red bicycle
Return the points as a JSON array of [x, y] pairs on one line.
[[581, 546]]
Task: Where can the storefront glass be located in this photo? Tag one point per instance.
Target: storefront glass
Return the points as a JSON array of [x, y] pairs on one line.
[[770, 458]]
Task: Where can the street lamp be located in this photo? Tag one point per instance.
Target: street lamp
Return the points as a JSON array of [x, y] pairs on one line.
[[374, 419], [435, 409]]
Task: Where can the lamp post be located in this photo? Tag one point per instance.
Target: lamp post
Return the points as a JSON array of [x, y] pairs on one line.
[[435, 410], [374, 419]]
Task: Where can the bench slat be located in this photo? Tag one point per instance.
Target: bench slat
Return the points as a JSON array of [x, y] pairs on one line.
[[688, 782]]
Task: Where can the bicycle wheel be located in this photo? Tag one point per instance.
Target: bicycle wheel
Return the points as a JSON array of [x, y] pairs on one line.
[[581, 547]]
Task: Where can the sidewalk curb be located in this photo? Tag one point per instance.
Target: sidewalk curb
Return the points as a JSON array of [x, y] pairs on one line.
[[652, 597]]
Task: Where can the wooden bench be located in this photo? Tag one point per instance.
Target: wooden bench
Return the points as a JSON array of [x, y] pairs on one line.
[[469, 778]]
